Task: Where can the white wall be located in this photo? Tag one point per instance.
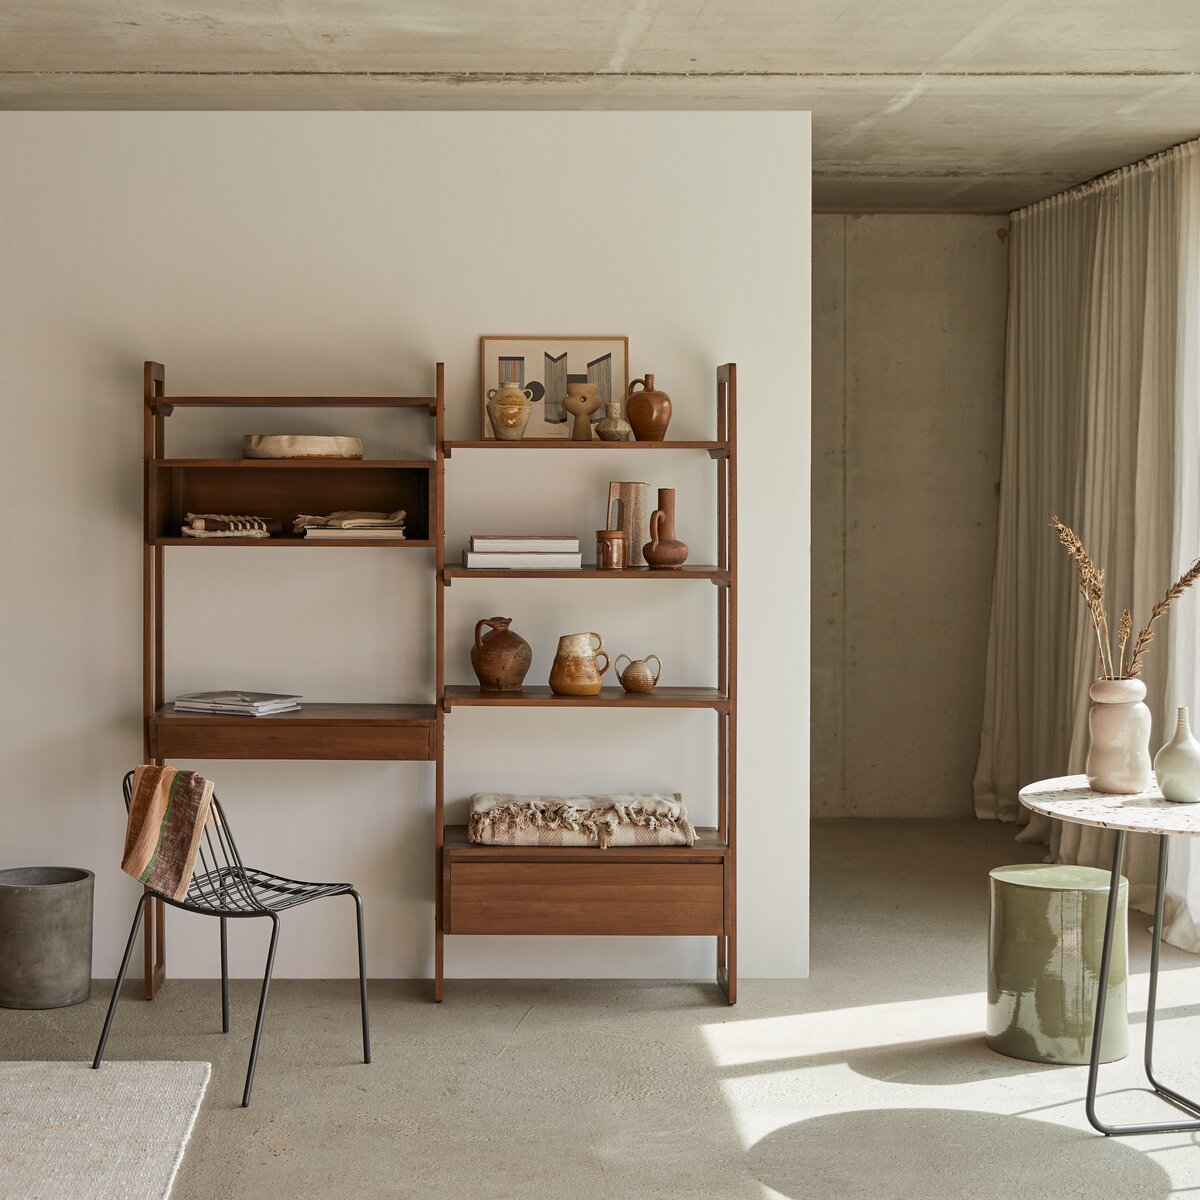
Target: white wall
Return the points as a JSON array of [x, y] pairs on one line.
[[343, 253], [908, 390]]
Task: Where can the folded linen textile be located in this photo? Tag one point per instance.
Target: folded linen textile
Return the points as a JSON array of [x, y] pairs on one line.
[[216, 522], [351, 519], [167, 814], [626, 819]]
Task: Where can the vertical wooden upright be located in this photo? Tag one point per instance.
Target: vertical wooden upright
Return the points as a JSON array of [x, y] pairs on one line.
[[439, 799]]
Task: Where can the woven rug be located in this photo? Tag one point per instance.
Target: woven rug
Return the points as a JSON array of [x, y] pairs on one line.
[[70, 1133]]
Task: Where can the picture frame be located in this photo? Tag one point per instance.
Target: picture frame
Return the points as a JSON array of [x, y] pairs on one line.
[[546, 363]]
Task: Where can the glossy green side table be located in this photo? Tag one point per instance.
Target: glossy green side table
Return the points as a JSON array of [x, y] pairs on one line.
[[1045, 945]]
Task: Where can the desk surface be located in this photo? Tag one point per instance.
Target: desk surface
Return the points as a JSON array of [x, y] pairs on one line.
[[1070, 799]]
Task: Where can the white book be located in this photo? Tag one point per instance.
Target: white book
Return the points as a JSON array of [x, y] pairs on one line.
[[240, 699], [237, 712], [388, 533], [522, 562], [499, 543]]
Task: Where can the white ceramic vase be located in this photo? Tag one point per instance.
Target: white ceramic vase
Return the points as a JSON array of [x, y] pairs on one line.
[[1118, 759], [1177, 764]]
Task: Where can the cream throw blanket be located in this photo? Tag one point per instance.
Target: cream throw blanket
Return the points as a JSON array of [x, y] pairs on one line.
[[627, 819]]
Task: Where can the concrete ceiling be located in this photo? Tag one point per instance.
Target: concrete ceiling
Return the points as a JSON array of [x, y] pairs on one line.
[[950, 105]]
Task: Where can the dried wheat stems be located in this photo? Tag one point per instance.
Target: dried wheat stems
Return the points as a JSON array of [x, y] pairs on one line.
[[1091, 587]]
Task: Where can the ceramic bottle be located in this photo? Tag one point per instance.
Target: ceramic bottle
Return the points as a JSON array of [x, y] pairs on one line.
[[649, 411], [664, 551], [501, 657], [1177, 764], [1118, 758]]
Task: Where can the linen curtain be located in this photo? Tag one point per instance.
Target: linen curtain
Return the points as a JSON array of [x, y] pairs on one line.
[[1100, 429]]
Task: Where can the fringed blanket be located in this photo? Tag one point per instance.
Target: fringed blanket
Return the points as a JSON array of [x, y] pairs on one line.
[[229, 525], [166, 818], [630, 819]]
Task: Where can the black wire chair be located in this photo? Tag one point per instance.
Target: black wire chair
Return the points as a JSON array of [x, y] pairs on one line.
[[223, 887]]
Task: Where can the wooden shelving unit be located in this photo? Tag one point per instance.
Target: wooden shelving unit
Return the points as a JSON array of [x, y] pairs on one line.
[[280, 489], [661, 891]]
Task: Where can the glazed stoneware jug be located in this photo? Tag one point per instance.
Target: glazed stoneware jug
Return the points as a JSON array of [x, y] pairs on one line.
[[575, 671], [638, 675], [1118, 758], [508, 409], [500, 657], [664, 551], [649, 411]]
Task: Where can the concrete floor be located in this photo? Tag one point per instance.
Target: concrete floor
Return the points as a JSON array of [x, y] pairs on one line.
[[868, 1080]]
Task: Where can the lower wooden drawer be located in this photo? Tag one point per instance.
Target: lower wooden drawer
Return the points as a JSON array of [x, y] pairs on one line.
[[266, 740], [583, 897]]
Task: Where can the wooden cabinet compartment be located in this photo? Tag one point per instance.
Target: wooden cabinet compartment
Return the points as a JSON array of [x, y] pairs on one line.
[[283, 489], [622, 897]]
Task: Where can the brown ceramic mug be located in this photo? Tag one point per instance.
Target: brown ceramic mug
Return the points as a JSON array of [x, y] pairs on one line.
[[611, 549]]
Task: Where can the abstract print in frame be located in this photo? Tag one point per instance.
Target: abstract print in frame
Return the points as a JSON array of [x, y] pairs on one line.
[[545, 365]]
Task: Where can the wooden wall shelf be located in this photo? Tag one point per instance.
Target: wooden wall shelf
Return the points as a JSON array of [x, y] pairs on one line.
[[590, 571], [457, 695], [659, 891], [163, 406]]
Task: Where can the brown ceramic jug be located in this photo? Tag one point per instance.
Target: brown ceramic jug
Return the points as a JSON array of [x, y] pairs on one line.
[[648, 411], [574, 672], [664, 551], [500, 658]]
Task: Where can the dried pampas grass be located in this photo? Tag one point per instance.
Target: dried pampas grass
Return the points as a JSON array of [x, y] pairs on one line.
[[1091, 588]]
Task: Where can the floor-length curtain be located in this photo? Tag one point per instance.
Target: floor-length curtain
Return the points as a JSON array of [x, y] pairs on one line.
[[1093, 434]]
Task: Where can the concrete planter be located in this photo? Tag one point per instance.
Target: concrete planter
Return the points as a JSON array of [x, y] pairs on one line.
[[45, 936]]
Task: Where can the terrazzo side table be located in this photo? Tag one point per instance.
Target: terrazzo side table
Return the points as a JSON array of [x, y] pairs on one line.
[[1070, 799]]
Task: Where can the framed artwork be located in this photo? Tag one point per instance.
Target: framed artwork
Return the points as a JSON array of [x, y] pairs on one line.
[[546, 365]]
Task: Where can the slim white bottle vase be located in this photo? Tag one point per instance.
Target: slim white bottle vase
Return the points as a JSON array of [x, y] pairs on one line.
[[1177, 764]]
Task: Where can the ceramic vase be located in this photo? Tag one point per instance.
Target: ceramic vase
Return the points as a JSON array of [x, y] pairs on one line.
[[501, 657], [614, 427], [638, 675], [583, 399], [664, 551], [508, 410], [649, 410], [1118, 758], [1177, 764], [629, 510]]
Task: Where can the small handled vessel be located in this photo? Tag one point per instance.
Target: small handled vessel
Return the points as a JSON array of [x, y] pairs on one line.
[[576, 671], [637, 675]]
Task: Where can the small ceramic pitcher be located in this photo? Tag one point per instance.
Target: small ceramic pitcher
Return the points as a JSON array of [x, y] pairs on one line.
[[638, 676], [575, 672]]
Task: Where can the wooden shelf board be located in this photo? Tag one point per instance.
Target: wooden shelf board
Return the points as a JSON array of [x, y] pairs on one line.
[[165, 404], [715, 449], [588, 571], [313, 714], [296, 542], [708, 848], [609, 697], [295, 464]]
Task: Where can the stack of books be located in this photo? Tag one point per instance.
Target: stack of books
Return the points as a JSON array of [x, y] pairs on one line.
[[516, 553], [237, 704]]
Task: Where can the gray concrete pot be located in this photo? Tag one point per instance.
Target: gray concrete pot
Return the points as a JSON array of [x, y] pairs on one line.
[[45, 936]]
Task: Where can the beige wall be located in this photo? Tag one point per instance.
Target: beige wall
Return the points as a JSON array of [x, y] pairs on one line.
[[908, 345], [340, 253]]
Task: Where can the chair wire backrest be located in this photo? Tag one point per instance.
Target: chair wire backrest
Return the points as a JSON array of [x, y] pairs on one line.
[[219, 880]]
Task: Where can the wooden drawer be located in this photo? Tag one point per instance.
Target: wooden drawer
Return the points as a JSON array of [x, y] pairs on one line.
[[583, 897]]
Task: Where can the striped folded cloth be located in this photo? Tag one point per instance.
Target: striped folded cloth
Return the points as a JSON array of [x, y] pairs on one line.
[[167, 814], [209, 525], [624, 819], [351, 519]]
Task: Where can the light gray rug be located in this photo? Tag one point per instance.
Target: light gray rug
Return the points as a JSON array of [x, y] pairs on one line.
[[70, 1133]]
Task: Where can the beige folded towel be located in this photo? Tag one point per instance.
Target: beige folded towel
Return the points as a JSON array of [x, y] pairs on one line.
[[351, 519]]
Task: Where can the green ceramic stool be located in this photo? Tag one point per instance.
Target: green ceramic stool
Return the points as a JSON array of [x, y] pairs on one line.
[[1044, 944]]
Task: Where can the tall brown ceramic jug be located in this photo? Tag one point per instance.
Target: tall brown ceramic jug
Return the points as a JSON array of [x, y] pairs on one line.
[[648, 411], [664, 551], [500, 658]]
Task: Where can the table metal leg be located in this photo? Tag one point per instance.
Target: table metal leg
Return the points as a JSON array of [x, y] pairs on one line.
[[1102, 995]]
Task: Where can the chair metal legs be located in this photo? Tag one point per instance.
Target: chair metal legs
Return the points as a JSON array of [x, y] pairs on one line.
[[112, 1004], [262, 1009], [362, 977], [224, 978]]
